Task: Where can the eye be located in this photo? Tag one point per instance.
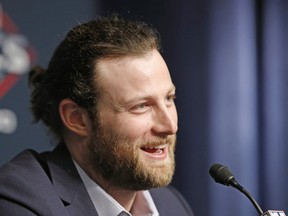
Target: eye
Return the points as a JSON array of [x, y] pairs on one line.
[[140, 108], [171, 98]]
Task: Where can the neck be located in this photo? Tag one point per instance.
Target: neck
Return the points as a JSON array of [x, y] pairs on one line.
[[123, 196]]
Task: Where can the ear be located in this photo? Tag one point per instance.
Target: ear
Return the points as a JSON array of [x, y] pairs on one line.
[[75, 118]]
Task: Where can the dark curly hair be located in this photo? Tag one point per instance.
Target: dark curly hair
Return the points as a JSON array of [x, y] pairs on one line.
[[71, 71]]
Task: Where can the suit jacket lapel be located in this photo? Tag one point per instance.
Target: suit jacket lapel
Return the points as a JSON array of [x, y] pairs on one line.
[[68, 184]]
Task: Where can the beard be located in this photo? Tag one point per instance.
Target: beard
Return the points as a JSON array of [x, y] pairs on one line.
[[118, 160]]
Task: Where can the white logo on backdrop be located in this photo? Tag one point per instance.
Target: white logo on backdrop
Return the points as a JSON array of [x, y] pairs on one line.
[[15, 60]]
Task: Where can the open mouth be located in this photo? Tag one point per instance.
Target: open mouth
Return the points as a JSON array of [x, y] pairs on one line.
[[159, 151]]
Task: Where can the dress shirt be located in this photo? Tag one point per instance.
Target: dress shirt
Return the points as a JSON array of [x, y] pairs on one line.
[[106, 205]]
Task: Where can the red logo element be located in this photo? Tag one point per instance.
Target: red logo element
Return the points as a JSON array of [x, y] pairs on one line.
[[16, 54]]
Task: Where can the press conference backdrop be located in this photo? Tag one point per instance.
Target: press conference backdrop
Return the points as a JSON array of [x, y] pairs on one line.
[[228, 60]]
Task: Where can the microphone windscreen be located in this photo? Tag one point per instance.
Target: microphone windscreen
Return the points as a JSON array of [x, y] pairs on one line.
[[221, 174]]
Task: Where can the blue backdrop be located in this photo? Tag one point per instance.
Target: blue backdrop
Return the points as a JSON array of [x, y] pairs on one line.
[[228, 59]]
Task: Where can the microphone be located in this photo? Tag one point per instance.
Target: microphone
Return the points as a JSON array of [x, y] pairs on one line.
[[222, 175]]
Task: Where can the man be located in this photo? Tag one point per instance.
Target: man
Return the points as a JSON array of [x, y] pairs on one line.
[[108, 97]]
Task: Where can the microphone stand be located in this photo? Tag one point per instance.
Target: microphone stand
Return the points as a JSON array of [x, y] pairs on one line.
[[236, 185]]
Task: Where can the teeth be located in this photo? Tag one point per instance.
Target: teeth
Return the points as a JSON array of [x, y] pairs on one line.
[[159, 151], [161, 146], [157, 147]]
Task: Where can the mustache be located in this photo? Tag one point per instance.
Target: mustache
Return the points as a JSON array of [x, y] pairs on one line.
[[158, 141]]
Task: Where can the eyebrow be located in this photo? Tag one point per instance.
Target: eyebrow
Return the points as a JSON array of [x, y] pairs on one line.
[[139, 98]]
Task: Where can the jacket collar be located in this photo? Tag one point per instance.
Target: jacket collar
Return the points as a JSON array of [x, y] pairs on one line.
[[68, 184]]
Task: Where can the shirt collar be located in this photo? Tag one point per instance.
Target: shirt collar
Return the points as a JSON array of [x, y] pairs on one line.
[[106, 205]]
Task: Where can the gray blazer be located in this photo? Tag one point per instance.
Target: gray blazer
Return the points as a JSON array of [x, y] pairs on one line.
[[48, 184]]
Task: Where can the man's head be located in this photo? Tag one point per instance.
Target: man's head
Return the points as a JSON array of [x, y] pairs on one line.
[[109, 87], [71, 71], [137, 122]]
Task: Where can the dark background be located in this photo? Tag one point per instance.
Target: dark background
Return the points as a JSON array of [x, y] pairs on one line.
[[228, 60]]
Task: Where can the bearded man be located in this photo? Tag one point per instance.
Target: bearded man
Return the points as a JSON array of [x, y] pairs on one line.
[[108, 97]]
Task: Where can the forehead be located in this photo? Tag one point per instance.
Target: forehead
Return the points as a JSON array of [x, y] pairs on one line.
[[138, 75]]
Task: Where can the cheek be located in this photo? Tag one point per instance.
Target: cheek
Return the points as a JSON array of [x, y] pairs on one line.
[[134, 128]]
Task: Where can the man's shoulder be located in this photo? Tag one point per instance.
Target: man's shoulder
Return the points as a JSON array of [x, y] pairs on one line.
[[169, 201], [25, 170], [27, 162], [26, 187]]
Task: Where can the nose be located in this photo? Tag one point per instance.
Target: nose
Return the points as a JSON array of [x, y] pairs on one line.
[[165, 121]]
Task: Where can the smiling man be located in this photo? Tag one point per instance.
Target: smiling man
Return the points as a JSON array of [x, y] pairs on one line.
[[108, 97]]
